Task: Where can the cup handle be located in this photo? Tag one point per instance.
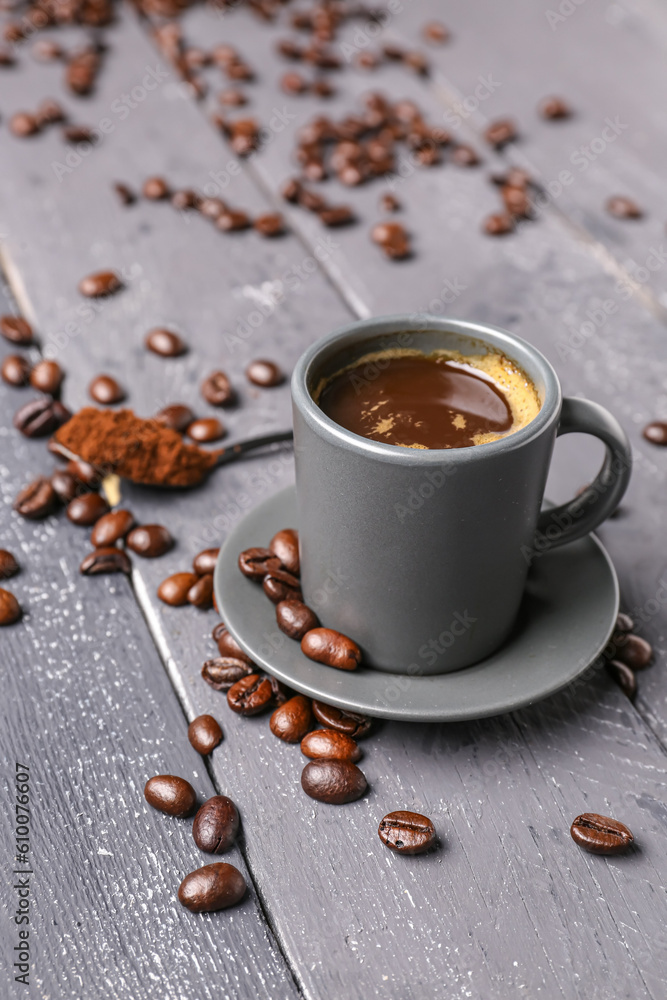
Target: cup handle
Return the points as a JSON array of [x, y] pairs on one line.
[[560, 525]]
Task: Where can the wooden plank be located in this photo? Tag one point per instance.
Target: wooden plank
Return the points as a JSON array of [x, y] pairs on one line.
[[88, 708]]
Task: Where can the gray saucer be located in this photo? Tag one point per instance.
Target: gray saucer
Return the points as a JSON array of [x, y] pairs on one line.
[[565, 621]]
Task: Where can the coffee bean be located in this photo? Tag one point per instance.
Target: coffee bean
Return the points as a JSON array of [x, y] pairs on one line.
[[333, 781], [106, 390], [174, 590], [337, 215], [624, 623], [255, 563], [213, 887], [500, 132], [516, 201], [389, 203], [228, 646], [250, 695], [435, 31], [327, 743], [270, 224], [8, 565], [86, 475], [224, 671], [322, 88], [498, 224], [264, 373], [216, 825], [367, 60], [600, 834], [41, 417], [111, 528], [178, 417], [623, 208], [49, 112], [206, 429], [149, 540], [15, 370], [79, 134], [656, 432], [46, 50], [232, 221], [464, 156], [294, 83], [418, 62], [407, 832], [184, 200], [165, 343], [277, 587], [633, 650], [292, 720], [623, 676], [87, 509], [325, 645], [232, 97], [204, 734], [204, 562], [341, 721], [126, 195], [155, 188], [201, 593], [47, 376], [65, 485], [392, 238], [554, 108], [217, 389], [295, 619], [285, 546], [37, 500], [171, 794], [106, 560], [99, 284], [10, 609], [22, 124], [212, 208]]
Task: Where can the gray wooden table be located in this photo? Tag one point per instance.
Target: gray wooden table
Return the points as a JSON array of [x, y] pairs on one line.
[[99, 679]]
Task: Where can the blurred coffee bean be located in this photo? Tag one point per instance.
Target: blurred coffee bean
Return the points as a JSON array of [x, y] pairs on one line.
[[86, 510], [656, 432], [516, 201], [184, 200], [106, 560], [350, 723], [264, 373], [329, 744], [464, 156], [292, 720], [177, 416], [623, 208], [174, 590], [65, 485], [270, 224], [200, 593], [295, 619], [16, 330], [216, 824], [150, 541], [255, 563], [250, 695], [233, 221], [8, 565], [16, 370], [82, 134], [624, 623], [325, 645], [171, 795], [224, 671], [36, 500], [155, 188], [337, 215], [126, 195], [435, 31], [232, 97], [407, 832], [204, 734], [212, 888], [104, 389], [389, 203], [294, 83], [601, 834], [49, 112], [623, 676], [165, 343], [204, 562], [217, 389], [633, 650], [554, 108], [392, 238], [498, 224], [99, 284], [333, 781], [212, 208], [47, 50], [206, 429], [23, 124], [500, 132], [47, 376], [41, 417], [111, 528], [10, 609], [86, 475]]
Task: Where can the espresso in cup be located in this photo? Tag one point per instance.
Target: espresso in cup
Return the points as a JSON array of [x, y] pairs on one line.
[[444, 399]]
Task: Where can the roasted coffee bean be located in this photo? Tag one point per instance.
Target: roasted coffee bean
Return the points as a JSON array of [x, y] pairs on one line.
[[111, 528], [325, 645], [251, 695], [349, 723], [624, 623], [99, 284], [40, 417], [554, 108], [367, 60], [184, 200], [232, 97], [37, 500], [435, 31], [295, 619], [656, 432], [106, 390], [516, 201], [228, 646], [204, 562], [165, 343], [174, 590], [281, 693], [329, 744], [224, 671], [155, 188], [10, 609], [600, 834], [171, 794], [206, 429], [46, 50], [16, 370], [407, 832], [204, 734], [217, 390], [264, 373], [623, 676], [150, 541], [201, 593], [500, 132], [80, 134], [285, 546], [211, 888], [270, 224], [623, 208], [294, 83], [22, 124], [464, 156], [232, 221], [86, 475], [212, 208], [334, 781], [292, 720], [216, 825], [417, 61], [87, 509], [392, 238], [106, 560], [322, 88], [633, 650], [278, 590], [337, 215], [8, 565], [498, 224], [49, 112], [255, 563], [389, 203], [178, 417], [47, 376], [126, 195], [65, 485]]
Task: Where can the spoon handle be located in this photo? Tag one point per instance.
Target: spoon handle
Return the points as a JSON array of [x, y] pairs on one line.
[[239, 450]]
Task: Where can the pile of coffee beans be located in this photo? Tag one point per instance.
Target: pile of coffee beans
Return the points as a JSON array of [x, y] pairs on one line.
[[192, 586], [625, 654]]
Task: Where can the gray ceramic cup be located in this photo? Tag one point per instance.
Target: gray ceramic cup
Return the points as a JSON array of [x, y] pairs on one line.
[[422, 555]]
